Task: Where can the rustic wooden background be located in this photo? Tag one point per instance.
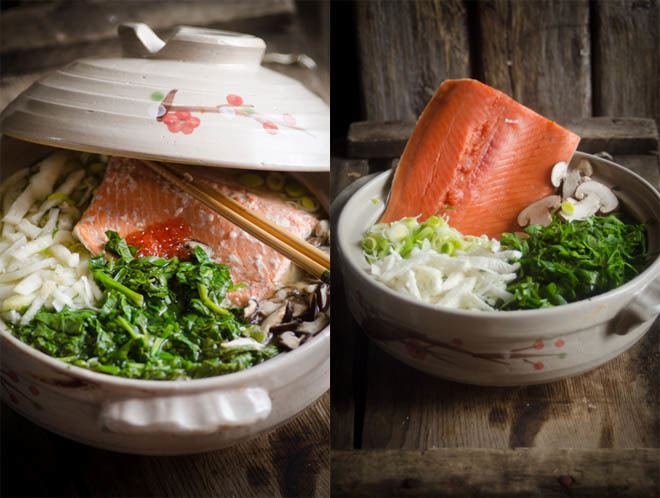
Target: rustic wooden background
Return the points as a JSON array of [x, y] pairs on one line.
[[591, 65], [36, 37]]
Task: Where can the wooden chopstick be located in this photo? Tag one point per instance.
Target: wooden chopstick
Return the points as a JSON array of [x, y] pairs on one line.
[[302, 253]]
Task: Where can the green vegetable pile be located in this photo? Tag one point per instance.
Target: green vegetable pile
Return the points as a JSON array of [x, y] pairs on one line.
[[566, 262], [160, 319]]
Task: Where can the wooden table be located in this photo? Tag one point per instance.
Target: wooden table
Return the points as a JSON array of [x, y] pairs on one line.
[[399, 432], [292, 460]]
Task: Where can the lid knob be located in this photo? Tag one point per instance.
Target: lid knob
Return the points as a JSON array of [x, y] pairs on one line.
[[190, 44]]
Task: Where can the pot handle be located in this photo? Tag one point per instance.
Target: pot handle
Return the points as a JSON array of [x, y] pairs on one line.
[[138, 40], [201, 413], [644, 306], [191, 44]]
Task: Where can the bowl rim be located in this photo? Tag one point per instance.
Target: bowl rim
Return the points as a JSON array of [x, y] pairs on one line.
[[651, 272]]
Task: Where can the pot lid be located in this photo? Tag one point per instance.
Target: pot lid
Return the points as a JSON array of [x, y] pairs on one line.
[[201, 97]]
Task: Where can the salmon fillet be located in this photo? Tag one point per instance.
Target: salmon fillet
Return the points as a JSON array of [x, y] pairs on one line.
[[477, 157], [132, 198]]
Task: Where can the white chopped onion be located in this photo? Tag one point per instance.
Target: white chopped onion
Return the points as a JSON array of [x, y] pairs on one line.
[[63, 191], [64, 256], [29, 285], [468, 281], [40, 186]]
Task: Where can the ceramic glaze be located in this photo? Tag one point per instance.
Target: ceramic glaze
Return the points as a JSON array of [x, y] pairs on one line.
[[503, 348], [201, 97]]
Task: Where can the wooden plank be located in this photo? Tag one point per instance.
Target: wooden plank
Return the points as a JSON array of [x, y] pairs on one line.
[[538, 52], [294, 460], [344, 346], [613, 406], [372, 139], [616, 135], [497, 473], [626, 66], [406, 49]]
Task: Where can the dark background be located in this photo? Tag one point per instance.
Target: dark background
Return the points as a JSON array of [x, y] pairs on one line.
[[566, 59]]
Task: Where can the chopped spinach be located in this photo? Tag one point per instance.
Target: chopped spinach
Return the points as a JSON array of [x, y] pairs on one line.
[[159, 319], [566, 262]]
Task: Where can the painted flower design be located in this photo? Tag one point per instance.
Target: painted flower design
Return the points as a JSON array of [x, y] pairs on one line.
[[183, 119]]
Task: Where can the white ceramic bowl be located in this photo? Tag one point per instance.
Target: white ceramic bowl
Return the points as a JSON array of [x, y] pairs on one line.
[[503, 348], [159, 417]]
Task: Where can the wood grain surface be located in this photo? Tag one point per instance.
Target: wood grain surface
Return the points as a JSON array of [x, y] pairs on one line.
[[614, 406], [496, 473], [539, 53], [373, 139], [391, 38], [626, 65], [290, 461]]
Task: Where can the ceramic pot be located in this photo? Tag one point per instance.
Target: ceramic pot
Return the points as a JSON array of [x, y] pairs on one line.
[[203, 98], [503, 348], [159, 417]]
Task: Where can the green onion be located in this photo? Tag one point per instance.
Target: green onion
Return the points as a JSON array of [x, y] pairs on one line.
[[251, 180], [275, 181], [295, 190]]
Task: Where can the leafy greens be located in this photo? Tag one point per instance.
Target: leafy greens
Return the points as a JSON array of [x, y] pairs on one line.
[[159, 319], [566, 262]]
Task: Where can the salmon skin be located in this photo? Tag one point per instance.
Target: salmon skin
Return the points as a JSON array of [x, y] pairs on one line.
[[478, 158], [132, 198]]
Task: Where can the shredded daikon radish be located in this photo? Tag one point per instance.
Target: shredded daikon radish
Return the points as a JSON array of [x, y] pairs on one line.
[[62, 194], [436, 264], [40, 186], [29, 284], [37, 267], [457, 281]]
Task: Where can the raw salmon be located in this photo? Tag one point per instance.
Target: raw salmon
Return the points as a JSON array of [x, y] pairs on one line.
[[477, 157], [133, 198]]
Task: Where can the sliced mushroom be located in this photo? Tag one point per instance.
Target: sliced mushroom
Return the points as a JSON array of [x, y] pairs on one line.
[[266, 307], [289, 340], [322, 295], [285, 327], [314, 327], [251, 311], [539, 212], [580, 210], [558, 174], [608, 201], [282, 314], [299, 309], [575, 175]]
